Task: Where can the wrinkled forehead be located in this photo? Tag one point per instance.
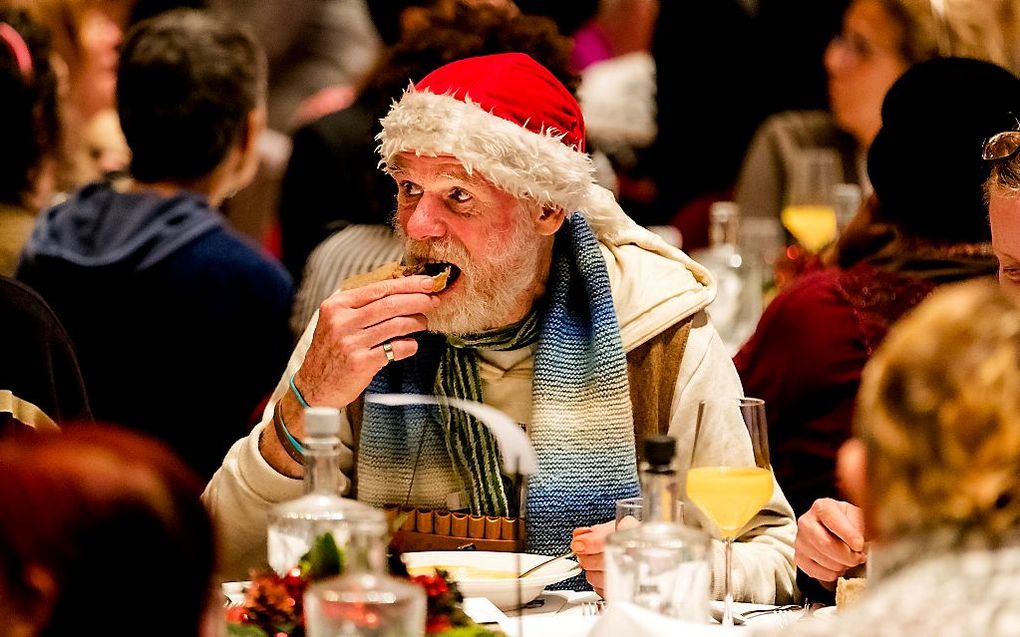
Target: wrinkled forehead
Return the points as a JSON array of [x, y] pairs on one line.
[[410, 164]]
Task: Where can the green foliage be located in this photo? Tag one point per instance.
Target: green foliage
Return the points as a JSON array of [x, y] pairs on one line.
[[324, 559]]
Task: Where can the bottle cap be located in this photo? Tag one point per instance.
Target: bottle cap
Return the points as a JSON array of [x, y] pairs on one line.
[[722, 211], [659, 450], [322, 422]]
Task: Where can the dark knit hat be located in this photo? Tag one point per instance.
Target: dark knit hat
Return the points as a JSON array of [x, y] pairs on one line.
[[925, 164]]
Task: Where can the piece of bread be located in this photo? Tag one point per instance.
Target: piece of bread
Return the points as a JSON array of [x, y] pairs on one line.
[[849, 590], [394, 270]]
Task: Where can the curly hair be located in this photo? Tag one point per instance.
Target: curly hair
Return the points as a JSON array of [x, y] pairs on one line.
[[939, 412], [464, 30], [29, 116]]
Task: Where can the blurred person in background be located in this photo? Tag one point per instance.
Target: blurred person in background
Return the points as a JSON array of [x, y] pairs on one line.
[[721, 67], [347, 138], [158, 294], [935, 465], [927, 225], [880, 40], [86, 36], [311, 46], [102, 532], [31, 130]]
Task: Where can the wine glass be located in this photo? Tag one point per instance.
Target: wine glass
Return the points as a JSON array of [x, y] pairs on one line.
[[810, 211], [730, 487]]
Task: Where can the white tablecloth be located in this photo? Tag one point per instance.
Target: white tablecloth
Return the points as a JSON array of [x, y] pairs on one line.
[[560, 615]]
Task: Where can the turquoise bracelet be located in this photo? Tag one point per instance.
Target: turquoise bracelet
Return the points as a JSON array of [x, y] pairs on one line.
[[297, 394], [291, 445]]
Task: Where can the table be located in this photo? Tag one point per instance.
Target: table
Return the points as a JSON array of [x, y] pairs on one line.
[[560, 615]]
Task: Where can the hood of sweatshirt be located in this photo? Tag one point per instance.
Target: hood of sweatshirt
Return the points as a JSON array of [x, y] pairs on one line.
[[654, 284], [101, 227]]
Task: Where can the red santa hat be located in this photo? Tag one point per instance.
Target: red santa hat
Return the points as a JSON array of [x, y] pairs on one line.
[[507, 117]]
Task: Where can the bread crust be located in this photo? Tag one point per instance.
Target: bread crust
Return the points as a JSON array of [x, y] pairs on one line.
[[394, 270]]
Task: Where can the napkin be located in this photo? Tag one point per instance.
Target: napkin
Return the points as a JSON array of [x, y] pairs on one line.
[[624, 618]]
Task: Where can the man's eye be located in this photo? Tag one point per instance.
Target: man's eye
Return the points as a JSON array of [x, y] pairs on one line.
[[460, 196], [860, 46], [1012, 273], [410, 188]]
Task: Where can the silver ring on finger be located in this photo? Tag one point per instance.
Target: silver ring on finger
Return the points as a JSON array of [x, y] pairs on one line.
[[389, 352]]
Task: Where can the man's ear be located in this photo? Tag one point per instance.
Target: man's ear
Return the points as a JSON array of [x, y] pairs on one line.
[[254, 124], [549, 219]]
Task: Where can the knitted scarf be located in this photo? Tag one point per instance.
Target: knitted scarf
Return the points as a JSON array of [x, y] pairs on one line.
[[581, 427]]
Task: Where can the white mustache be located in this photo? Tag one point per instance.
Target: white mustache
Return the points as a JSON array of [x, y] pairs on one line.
[[441, 250]]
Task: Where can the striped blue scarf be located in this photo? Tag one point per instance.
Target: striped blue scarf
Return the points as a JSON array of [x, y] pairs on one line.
[[581, 426]]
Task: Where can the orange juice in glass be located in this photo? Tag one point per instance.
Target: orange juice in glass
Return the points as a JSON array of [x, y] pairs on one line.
[[810, 211], [729, 496], [812, 225], [730, 490]]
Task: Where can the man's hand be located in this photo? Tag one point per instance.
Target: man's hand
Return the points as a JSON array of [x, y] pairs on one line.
[[830, 539], [589, 545], [347, 346]]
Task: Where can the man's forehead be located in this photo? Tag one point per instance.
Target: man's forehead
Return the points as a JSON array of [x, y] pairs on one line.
[[443, 165]]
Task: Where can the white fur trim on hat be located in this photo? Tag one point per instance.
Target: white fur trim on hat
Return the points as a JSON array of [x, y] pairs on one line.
[[515, 159]]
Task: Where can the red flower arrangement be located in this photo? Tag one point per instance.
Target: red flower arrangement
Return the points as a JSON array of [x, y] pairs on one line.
[[273, 605]]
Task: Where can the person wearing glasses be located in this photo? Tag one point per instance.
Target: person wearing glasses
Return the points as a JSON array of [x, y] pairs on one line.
[[928, 168], [880, 40]]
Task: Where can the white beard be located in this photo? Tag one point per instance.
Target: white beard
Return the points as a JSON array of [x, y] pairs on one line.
[[488, 294]]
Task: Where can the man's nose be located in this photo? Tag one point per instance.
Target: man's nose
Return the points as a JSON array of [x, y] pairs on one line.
[[425, 221]]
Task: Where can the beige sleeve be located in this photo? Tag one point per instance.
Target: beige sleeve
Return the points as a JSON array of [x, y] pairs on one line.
[[763, 566], [245, 487]]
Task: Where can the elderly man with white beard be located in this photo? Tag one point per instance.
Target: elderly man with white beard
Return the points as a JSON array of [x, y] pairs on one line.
[[560, 311]]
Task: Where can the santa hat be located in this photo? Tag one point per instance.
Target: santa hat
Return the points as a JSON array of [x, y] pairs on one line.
[[505, 116]]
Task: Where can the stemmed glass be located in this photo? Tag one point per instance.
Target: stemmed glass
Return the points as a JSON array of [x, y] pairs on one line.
[[730, 487], [810, 211]]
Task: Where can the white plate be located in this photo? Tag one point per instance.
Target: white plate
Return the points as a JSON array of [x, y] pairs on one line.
[[825, 611], [500, 591]]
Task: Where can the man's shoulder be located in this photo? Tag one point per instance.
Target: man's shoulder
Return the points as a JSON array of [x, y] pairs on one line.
[[652, 291], [229, 253]]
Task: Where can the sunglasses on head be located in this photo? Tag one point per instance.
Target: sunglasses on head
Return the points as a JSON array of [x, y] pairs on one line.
[[1002, 145]]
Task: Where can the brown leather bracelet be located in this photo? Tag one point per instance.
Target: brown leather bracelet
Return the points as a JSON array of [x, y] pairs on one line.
[[290, 444]]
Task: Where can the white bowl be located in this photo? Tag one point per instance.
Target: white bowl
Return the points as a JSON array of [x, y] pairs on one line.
[[501, 591]]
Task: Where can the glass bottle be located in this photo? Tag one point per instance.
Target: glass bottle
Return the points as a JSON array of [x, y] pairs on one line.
[[661, 565], [365, 605], [294, 525], [738, 301]]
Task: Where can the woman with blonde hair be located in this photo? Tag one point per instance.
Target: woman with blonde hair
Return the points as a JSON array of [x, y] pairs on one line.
[[935, 466]]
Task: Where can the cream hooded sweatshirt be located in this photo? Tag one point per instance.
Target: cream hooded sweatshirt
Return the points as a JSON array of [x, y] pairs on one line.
[[654, 286]]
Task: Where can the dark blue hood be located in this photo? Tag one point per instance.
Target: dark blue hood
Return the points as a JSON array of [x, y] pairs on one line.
[[101, 227]]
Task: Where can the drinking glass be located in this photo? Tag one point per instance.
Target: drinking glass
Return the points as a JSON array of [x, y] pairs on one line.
[[730, 489], [366, 605], [810, 212], [634, 508], [663, 567]]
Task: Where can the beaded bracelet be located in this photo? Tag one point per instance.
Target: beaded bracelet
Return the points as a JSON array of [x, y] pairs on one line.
[[291, 445], [297, 394]]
